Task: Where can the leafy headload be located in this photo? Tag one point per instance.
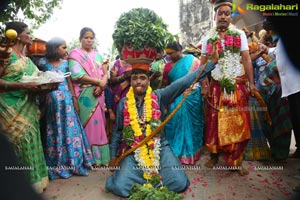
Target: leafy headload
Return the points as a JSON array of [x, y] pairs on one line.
[[141, 27]]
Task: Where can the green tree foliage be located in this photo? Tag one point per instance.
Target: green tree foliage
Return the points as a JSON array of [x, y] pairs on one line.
[[73, 44], [111, 53], [36, 12]]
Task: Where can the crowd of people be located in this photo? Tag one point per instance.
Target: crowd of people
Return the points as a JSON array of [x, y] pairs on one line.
[[101, 111]]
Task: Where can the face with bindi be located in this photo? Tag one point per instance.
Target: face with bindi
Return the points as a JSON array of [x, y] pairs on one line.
[[87, 41], [174, 55], [223, 17]]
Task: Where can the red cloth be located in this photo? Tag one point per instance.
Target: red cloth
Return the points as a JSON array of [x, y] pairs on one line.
[[143, 66], [233, 141]]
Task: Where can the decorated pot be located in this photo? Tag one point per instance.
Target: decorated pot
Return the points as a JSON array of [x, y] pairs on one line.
[[133, 56], [37, 48]]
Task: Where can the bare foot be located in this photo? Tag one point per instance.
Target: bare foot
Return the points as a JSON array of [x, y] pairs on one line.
[[242, 171], [212, 162]]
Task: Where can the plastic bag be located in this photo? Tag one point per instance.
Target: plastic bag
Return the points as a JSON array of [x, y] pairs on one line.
[[45, 77]]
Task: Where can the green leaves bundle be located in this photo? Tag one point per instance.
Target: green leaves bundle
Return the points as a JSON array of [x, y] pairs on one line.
[[149, 193], [141, 27]]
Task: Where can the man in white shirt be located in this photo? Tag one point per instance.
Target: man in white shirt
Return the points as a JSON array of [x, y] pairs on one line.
[[224, 133]]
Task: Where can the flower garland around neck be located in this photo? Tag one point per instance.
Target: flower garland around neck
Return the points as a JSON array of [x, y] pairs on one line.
[[229, 56], [136, 128]]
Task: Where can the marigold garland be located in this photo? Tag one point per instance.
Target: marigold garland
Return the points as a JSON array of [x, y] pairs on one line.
[[147, 155]]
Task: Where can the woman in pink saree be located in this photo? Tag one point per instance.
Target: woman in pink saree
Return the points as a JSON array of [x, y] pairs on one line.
[[89, 77]]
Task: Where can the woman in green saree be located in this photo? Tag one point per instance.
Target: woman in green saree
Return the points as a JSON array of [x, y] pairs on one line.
[[19, 113]]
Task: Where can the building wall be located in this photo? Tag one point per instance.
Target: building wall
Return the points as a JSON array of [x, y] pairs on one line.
[[196, 18]]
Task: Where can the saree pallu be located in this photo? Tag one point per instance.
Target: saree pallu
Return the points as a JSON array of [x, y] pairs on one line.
[[92, 109], [279, 133], [19, 118], [184, 131], [257, 147], [228, 131]]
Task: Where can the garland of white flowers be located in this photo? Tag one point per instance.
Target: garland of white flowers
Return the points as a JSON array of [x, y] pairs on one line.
[[228, 60]]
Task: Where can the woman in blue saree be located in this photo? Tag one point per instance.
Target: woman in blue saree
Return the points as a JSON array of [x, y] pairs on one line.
[[184, 131]]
